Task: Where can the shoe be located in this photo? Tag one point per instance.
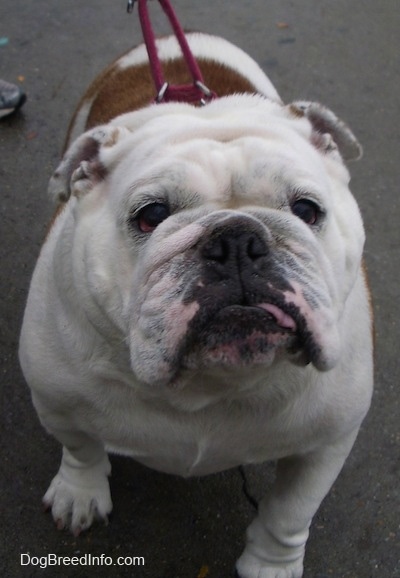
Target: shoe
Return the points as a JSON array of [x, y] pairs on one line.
[[11, 98]]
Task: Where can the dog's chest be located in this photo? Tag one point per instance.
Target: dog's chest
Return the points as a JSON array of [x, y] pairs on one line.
[[205, 442], [186, 451]]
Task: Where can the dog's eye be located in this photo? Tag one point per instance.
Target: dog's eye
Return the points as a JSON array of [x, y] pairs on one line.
[[307, 211], [151, 216]]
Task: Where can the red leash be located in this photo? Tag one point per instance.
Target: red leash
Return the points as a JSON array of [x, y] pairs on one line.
[[192, 93]]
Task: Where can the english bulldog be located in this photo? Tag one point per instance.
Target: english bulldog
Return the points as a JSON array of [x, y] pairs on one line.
[[200, 301]]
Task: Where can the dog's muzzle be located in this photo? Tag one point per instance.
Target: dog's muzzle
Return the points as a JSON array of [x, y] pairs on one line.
[[239, 297], [244, 315]]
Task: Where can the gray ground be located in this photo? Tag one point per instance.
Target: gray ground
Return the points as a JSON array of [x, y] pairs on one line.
[[343, 53]]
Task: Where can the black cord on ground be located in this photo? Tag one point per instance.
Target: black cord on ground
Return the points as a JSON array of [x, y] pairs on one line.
[[251, 499]]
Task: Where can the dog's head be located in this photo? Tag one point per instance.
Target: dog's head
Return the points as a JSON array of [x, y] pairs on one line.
[[217, 238]]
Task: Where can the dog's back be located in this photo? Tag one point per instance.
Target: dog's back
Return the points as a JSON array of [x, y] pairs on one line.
[[127, 84]]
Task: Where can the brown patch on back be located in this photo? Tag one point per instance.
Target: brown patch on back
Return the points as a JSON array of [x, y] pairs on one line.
[[296, 111], [118, 91], [371, 309], [56, 214]]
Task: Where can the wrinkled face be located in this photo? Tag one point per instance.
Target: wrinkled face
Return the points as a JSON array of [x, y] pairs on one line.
[[243, 238]]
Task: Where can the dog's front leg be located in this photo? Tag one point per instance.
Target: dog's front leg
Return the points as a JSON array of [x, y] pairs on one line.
[[276, 539], [80, 491]]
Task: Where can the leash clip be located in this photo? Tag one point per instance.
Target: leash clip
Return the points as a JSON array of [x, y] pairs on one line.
[[130, 6], [161, 94], [208, 94]]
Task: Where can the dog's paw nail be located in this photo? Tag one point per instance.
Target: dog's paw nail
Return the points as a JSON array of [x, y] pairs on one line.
[[60, 525], [77, 532], [46, 506]]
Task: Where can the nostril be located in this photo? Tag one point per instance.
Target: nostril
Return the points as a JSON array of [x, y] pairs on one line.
[[256, 247], [217, 250]]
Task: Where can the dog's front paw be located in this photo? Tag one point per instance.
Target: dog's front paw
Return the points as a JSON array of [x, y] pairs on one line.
[[78, 495], [249, 566]]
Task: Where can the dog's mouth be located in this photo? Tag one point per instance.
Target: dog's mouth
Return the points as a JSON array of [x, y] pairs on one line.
[[242, 335]]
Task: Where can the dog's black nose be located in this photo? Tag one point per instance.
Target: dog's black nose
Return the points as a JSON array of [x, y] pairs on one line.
[[238, 263], [238, 244]]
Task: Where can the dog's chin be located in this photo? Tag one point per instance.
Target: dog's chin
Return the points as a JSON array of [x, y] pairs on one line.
[[240, 337], [236, 341]]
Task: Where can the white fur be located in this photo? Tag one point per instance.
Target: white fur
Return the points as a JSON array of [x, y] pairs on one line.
[[96, 293]]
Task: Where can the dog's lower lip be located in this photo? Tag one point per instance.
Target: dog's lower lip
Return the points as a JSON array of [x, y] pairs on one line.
[[241, 335]]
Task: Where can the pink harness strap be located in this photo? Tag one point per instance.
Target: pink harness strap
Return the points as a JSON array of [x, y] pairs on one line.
[[191, 93]]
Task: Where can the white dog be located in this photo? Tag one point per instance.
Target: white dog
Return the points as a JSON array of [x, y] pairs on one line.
[[200, 301]]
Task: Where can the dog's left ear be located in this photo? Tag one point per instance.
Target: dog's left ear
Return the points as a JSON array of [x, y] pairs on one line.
[[81, 167], [329, 132]]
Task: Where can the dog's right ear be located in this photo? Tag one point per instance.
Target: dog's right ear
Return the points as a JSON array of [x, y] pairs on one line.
[[81, 167]]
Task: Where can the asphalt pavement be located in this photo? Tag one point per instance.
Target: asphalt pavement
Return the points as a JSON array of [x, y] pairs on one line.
[[342, 53]]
